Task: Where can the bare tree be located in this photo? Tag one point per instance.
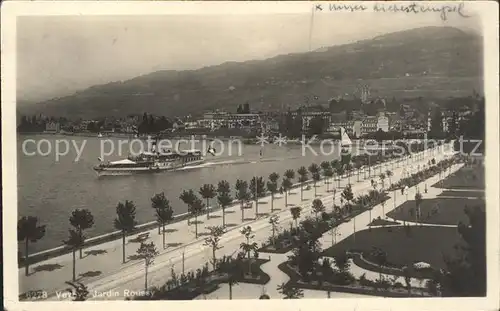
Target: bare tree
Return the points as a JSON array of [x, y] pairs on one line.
[[148, 252], [213, 241]]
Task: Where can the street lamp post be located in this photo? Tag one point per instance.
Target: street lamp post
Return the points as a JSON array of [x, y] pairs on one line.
[[333, 235], [369, 167], [395, 191], [354, 224], [183, 251]]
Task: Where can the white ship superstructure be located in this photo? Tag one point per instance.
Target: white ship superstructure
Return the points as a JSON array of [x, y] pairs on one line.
[[150, 162]]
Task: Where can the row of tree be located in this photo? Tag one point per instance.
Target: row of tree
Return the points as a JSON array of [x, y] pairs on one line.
[[469, 126], [30, 231], [154, 124], [308, 243], [464, 276]]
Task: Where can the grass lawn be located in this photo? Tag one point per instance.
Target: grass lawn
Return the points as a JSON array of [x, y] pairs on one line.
[[464, 178], [427, 244], [462, 193], [450, 212]]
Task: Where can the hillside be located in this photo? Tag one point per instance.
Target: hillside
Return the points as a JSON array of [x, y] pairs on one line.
[[429, 62]]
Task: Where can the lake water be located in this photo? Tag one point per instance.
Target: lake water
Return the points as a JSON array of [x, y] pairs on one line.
[[51, 189]]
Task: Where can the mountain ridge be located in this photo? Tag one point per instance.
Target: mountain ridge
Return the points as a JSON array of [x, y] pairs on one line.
[[427, 61]]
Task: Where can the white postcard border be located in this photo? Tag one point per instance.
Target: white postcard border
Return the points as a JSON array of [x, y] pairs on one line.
[[10, 10]]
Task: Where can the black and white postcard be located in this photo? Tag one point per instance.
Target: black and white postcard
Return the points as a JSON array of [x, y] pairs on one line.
[[340, 154]]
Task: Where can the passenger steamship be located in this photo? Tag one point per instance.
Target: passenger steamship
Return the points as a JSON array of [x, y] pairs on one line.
[[151, 162]]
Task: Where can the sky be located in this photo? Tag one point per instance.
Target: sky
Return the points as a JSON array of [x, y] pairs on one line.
[[58, 55]]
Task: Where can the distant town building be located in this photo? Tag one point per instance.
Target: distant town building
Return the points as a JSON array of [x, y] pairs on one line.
[[372, 124], [396, 125], [178, 125], [447, 118], [191, 125], [221, 119], [309, 115], [213, 120], [270, 125], [52, 127], [352, 128], [129, 129], [338, 116], [357, 115], [383, 123], [84, 125], [364, 93], [369, 125]]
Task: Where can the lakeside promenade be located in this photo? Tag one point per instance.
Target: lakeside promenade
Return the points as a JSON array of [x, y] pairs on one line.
[[102, 271], [343, 231]]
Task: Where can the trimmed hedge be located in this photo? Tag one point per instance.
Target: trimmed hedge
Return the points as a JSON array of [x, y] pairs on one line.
[[205, 282], [356, 288]]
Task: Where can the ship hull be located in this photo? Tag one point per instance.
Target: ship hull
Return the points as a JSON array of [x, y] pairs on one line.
[[124, 171]]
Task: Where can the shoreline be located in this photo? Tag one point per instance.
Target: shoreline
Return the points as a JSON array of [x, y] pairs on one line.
[[245, 141], [142, 137], [114, 235]]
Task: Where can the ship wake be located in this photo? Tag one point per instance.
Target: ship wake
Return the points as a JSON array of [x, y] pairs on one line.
[[235, 162]]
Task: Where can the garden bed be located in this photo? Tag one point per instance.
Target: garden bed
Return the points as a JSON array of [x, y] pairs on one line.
[[192, 285], [354, 288], [464, 178], [257, 276], [281, 248], [359, 260], [419, 244], [444, 211], [284, 241]]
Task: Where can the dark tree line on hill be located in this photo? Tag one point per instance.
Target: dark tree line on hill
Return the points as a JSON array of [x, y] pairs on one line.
[[290, 125], [149, 124], [474, 126], [470, 127], [243, 108], [152, 124], [95, 127]]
